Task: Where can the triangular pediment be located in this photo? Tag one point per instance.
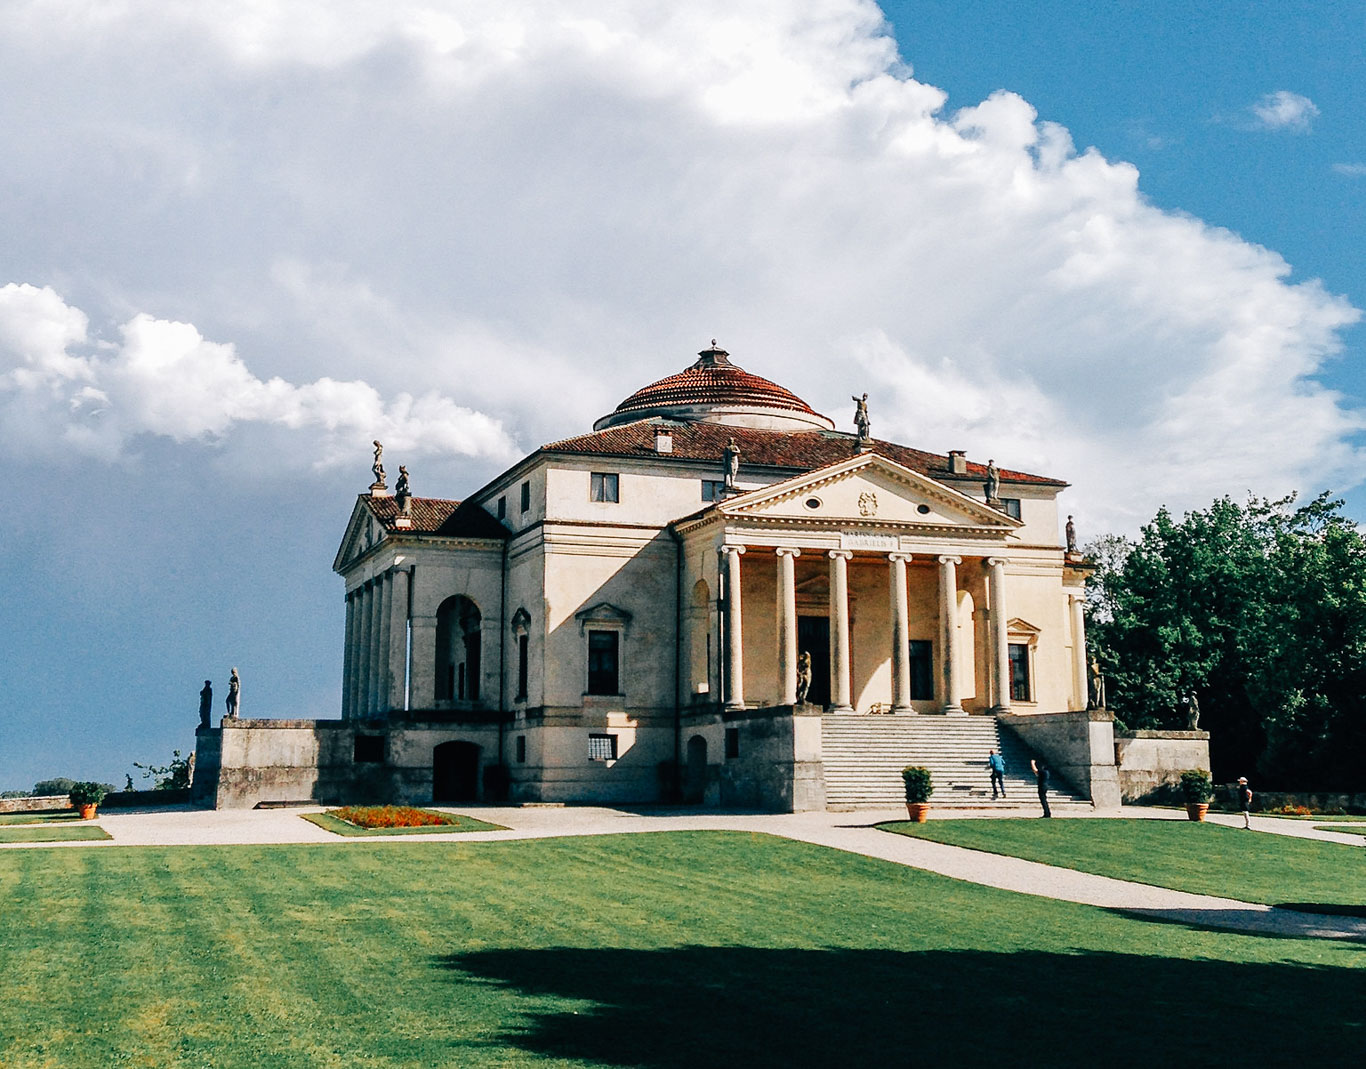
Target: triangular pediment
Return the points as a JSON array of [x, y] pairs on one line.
[[867, 489], [362, 532], [1016, 626]]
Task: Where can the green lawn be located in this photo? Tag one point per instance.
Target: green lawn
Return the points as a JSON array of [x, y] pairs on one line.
[[459, 823], [1205, 858], [48, 816], [664, 951], [53, 834]]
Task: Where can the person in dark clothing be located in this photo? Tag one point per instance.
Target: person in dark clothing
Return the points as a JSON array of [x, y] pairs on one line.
[[1041, 778], [1245, 801], [997, 764]]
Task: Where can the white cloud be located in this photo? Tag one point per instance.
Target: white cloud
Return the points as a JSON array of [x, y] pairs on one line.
[[530, 209], [1283, 110], [1351, 170], [164, 378]]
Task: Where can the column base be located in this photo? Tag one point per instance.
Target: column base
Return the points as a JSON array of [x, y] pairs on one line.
[[902, 710], [954, 710], [1000, 710], [839, 708]]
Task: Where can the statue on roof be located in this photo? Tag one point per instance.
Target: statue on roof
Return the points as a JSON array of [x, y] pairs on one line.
[[378, 467], [206, 705], [1071, 536], [993, 484], [732, 463], [861, 415]]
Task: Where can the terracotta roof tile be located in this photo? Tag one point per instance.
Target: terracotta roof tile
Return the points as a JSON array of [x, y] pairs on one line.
[[438, 516], [714, 384], [795, 451]]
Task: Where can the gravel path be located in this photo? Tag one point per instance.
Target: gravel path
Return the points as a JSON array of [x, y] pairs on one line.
[[854, 832]]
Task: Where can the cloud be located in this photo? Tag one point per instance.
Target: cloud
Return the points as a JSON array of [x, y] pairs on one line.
[[1351, 170], [447, 219], [163, 378], [1283, 110]]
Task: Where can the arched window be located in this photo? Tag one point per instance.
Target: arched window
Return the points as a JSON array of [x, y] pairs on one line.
[[458, 650]]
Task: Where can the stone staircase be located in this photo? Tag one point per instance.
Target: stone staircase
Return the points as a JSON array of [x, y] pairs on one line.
[[864, 756]]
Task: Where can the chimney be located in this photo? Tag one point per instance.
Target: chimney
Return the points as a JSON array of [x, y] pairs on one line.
[[958, 461], [664, 440]]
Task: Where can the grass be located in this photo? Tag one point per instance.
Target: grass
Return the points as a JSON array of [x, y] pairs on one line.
[[459, 823], [1343, 829], [47, 816], [662, 951], [1200, 857], [49, 834]]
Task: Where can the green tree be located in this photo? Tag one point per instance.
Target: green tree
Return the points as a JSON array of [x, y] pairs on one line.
[[171, 777], [1260, 611]]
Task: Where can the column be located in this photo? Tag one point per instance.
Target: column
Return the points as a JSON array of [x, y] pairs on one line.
[[376, 630], [1079, 672], [839, 631], [901, 633], [398, 637], [1000, 642], [363, 659], [382, 677], [787, 626], [348, 656], [735, 656], [948, 622]]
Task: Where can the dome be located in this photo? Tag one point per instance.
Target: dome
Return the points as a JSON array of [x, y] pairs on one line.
[[713, 390]]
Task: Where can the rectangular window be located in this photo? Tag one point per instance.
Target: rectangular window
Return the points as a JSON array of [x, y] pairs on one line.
[[922, 670], [502, 508], [521, 749], [522, 645], [603, 650], [713, 489], [1020, 688], [1011, 505], [526, 495], [369, 750], [602, 747], [603, 486], [732, 743]]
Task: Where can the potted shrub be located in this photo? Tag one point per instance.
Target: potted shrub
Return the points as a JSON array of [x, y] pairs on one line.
[[86, 797], [919, 787], [1198, 789]]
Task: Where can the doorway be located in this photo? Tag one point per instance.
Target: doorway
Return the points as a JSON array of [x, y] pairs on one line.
[[813, 637], [455, 772], [695, 773]]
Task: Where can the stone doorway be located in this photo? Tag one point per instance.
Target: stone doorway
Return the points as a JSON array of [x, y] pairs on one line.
[[455, 772]]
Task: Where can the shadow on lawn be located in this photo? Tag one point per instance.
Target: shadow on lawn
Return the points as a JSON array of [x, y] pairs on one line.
[[678, 1008], [1334, 909]]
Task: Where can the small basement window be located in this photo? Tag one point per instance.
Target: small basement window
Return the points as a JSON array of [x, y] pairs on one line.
[[369, 750], [602, 747]]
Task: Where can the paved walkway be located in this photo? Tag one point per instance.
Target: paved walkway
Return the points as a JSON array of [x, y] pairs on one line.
[[854, 832]]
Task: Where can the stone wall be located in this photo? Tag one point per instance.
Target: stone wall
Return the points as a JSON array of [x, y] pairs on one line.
[[1150, 763], [1078, 746], [779, 767], [35, 803]]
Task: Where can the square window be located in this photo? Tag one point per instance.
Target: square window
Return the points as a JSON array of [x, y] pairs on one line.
[[602, 747], [1011, 505], [713, 489], [603, 486], [604, 648], [521, 749], [1020, 688], [922, 670], [502, 508], [732, 743], [369, 750], [526, 495]]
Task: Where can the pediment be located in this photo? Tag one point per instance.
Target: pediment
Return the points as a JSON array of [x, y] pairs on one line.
[[363, 532], [603, 613], [867, 489], [1016, 626]]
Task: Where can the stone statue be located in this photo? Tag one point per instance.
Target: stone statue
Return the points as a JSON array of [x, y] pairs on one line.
[[1097, 685], [234, 695], [378, 467], [803, 676], [732, 463], [1193, 713], [861, 415], [402, 493], [205, 704], [1071, 536], [993, 483]]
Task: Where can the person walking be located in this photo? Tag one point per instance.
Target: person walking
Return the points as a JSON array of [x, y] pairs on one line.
[[1245, 801], [997, 764], [1040, 771]]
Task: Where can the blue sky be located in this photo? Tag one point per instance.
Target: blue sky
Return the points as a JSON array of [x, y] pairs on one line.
[[242, 241]]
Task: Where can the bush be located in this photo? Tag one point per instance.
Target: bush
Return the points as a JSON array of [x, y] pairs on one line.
[[918, 783], [1196, 786], [60, 785], [87, 793]]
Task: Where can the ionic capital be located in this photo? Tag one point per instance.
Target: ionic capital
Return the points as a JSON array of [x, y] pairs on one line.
[[737, 550], [907, 557], [788, 551], [997, 562], [949, 560], [838, 554]]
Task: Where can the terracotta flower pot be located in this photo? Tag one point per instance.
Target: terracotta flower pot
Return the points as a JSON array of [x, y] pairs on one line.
[[918, 811], [88, 812], [1196, 810]]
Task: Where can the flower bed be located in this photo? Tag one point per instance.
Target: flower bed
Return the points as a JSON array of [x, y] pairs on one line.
[[390, 816]]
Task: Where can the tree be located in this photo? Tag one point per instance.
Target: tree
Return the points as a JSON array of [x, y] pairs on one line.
[[171, 777], [1260, 611]]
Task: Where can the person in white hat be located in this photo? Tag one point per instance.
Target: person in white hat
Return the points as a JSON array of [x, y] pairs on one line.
[[1245, 801]]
